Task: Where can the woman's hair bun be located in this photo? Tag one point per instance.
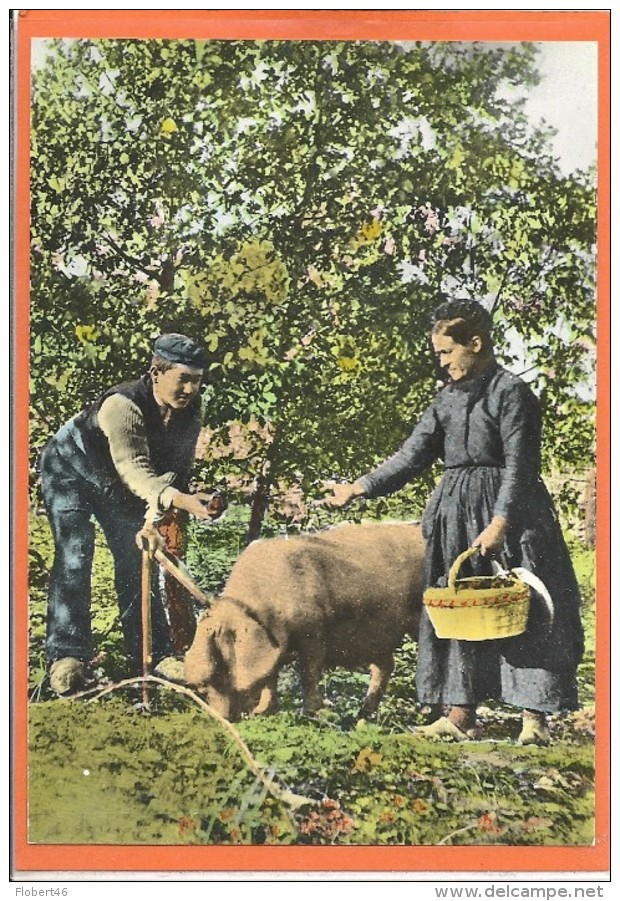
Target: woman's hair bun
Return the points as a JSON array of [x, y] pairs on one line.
[[470, 311]]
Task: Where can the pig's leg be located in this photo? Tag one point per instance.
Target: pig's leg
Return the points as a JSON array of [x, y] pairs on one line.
[[268, 702], [379, 677], [311, 661]]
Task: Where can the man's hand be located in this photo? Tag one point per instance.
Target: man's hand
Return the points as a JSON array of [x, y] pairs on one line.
[[216, 505], [200, 505], [491, 540], [148, 535], [342, 494]]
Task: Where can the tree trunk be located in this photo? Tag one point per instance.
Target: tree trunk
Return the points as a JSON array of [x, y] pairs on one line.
[[177, 599], [260, 501]]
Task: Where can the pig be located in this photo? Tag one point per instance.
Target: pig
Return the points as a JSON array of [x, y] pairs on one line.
[[341, 597]]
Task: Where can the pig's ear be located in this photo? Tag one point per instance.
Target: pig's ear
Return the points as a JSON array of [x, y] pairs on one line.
[[202, 659], [250, 654]]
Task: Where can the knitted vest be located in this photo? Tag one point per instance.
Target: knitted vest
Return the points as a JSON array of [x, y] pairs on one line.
[[171, 447]]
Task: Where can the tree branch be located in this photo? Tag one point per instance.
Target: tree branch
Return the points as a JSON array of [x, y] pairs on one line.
[[128, 259], [497, 298], [273, 788], [448, 838]]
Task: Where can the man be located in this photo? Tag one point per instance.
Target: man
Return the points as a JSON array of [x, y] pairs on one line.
[[125, 460]]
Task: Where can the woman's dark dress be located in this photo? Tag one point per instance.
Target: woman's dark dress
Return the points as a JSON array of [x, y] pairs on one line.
[[487, 432]]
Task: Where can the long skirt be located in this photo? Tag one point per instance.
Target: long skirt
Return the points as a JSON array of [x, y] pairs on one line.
[[536, 670]]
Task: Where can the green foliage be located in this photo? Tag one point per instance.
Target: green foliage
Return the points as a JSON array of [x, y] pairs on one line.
[[211, 553], [584, 562], [299, 205], [212, 549], [398, 789]]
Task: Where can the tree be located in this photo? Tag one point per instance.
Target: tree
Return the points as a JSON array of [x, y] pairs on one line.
[[300, 205]]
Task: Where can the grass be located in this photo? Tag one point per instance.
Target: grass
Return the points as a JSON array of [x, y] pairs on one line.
[[107, 772]]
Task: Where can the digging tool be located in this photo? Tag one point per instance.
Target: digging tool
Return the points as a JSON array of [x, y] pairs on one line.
[[146, 616], [174, 566]]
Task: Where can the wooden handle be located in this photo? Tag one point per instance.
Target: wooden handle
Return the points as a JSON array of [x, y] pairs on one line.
[[146, 610], [166, 559], [454, 569]]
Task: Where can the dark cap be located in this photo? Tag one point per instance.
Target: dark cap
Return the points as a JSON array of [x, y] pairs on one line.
[[181, 350]]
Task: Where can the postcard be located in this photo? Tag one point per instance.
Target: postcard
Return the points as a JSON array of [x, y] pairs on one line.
[[311, 330]]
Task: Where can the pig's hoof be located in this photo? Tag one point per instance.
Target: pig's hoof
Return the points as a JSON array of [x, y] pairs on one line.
[[267, 710], [368, 709], [314, 707]]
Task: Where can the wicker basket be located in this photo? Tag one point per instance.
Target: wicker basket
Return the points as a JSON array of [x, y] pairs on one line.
[[478, 608]]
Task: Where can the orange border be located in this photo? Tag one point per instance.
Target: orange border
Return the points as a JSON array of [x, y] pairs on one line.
[[511, 25]]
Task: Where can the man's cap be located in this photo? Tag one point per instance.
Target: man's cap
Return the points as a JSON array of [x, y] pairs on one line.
[[181, 350]]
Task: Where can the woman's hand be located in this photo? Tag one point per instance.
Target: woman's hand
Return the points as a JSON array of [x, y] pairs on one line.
[[342, 494], [491, 540]]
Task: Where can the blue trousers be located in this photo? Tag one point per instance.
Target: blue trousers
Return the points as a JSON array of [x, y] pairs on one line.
[[73, 501]]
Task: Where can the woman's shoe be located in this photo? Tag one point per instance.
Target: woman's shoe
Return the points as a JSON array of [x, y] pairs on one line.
[[534, 732], [445, 728]]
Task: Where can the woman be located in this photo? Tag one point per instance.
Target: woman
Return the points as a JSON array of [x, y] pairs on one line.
[[485, 426]]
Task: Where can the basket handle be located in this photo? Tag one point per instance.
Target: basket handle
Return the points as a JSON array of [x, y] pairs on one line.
[[454, 569]]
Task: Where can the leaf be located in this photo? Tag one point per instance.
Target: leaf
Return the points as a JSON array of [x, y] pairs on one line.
[[456, 159], [169, 126], [283, 754], [86, 333], [366, 760], [57, 184]]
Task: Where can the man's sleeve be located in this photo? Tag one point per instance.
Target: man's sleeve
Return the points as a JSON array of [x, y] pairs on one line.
[[122, 423]]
